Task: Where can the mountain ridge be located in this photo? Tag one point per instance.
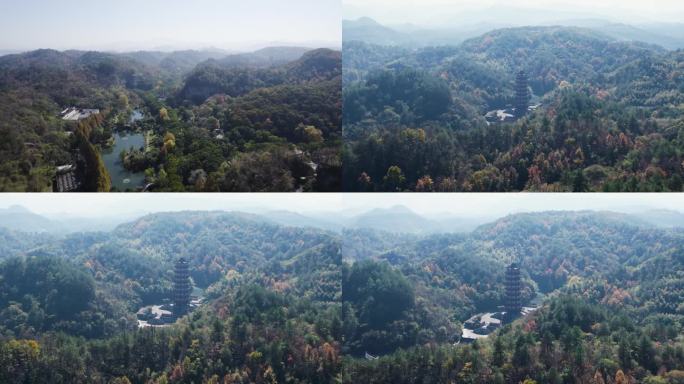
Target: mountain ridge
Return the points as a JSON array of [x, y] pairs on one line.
[[369, 30]]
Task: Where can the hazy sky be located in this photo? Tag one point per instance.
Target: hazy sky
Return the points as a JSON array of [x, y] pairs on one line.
[[95, 205], [144, 24], [444, 11], [465, 205], [501, 204]]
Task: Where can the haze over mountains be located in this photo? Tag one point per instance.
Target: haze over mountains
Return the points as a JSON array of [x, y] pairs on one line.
[[178, 61], [442, 14], [397, 219], [667, 35], [20, 219], [178, 49]]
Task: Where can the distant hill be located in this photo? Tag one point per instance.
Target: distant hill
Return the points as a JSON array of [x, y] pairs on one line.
[[293, 219], [65, 75], [263, 58], [18, 218], [177, 62], [315, 64], [4, 52], [395, 219], [673, 32], [662, 218], [666, 35], [466, 25], [238, 75], [400, 219], [368, 30]]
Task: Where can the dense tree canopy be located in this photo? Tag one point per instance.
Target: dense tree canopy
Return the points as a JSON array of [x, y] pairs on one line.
[[609, 119], [299, 305], [221, 114], [40, 294], [272, 312]]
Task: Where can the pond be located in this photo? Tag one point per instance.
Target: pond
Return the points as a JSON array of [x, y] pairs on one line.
[[123, 179]]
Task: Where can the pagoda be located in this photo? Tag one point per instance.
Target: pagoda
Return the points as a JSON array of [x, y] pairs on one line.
[[522, 94], [181, 288], [513, 302]]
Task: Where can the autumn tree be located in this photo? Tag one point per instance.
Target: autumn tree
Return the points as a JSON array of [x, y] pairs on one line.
[[163, 114], [620, 377]]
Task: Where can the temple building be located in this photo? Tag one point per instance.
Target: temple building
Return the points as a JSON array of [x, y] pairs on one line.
[[181, 288], [522, 94], [66, 179], [513, 302], [76, 114]]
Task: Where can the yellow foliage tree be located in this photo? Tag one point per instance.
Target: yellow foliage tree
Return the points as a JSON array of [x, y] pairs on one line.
[[164, 114], [169, 142], [309, 133]]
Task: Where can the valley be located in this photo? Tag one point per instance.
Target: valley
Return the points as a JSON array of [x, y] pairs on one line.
[[179, 121]]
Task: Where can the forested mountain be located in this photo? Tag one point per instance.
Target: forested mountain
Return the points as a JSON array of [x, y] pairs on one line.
[[232, 77], [667, 35], [266, 57], [608, 118], [397, 219], [50, 70], [296, 304], [614, 308], [284, 134], [15, 243], [281, 125], [271, 311]]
